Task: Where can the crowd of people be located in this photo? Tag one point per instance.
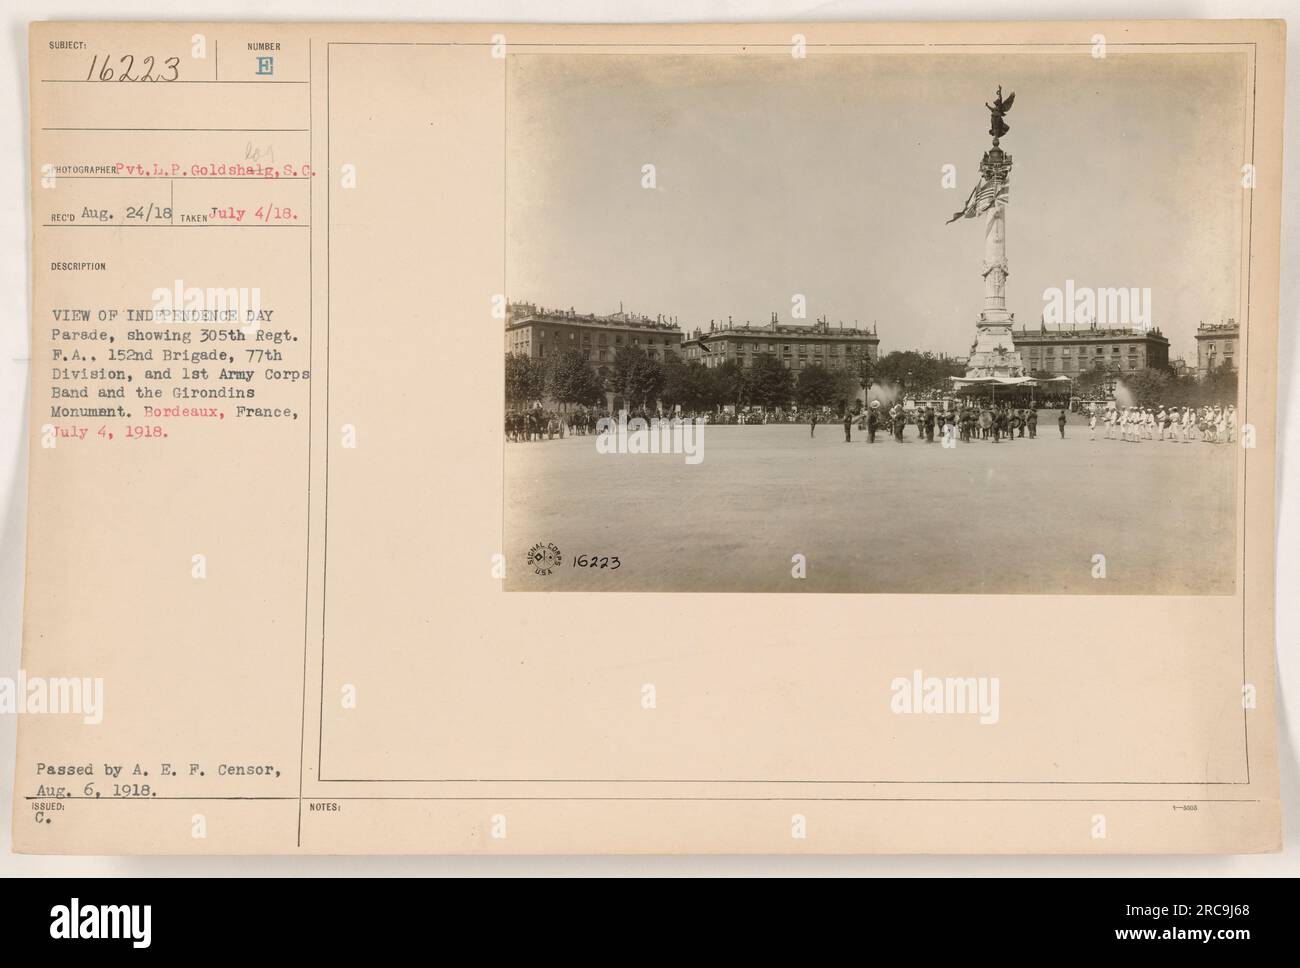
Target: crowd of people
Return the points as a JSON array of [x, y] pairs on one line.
[[968, 422], [993, 422], [539, 424], [1217, 425]]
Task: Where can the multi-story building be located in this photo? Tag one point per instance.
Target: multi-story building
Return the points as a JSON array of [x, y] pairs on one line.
[[542, 333], [1070, 352], [1216, 345], [795, 346]]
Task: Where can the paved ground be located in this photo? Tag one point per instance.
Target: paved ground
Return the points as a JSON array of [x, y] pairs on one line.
[[1022, 516]]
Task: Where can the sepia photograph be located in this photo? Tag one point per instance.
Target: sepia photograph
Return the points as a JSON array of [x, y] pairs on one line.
[[340, 339], [842, 321]]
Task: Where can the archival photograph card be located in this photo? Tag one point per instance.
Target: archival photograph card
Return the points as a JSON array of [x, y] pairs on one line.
[[765, 438]]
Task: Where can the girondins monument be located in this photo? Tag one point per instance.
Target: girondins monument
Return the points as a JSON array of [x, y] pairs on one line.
[[994, 359]]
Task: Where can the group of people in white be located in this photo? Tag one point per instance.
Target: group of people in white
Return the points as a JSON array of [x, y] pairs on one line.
[[1217, 425]]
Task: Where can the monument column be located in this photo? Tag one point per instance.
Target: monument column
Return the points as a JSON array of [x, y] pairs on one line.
[[995, 262], [996, 170], [993, 354]]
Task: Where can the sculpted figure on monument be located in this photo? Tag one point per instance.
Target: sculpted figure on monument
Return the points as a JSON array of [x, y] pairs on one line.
[[998, 128]]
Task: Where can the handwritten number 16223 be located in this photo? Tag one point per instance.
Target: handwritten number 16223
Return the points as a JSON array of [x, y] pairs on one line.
[[596, 561], [169, 71]]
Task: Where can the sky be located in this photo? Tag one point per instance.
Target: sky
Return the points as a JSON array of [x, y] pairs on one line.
[[823, 176]]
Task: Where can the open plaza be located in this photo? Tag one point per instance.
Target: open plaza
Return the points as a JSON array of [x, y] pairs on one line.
[[1020, 516]]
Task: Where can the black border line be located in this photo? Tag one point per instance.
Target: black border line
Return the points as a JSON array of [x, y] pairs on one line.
[[311, 431]]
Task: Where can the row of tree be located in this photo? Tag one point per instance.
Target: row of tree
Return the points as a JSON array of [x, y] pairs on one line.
[[570, 378], [922, 374], [1152, 387], [641, 381]]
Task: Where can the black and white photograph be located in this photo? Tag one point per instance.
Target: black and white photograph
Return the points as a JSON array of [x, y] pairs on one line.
[[897, 398], [876, 323]]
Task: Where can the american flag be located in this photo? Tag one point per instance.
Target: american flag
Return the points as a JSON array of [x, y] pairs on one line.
[[984, 196]]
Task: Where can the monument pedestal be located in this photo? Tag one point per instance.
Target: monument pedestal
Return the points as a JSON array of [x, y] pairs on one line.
[[994, 353]]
